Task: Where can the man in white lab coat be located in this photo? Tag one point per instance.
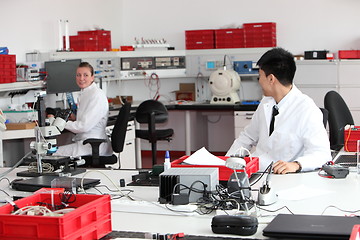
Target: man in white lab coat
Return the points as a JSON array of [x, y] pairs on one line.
[[91, 118], [297, 140]]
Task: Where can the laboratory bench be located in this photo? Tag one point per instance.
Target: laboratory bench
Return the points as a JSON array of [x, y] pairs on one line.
[[300, 193]]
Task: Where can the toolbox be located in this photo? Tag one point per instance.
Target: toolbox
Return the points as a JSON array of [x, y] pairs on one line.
[[351, 136], [91, 219], [252, 166]]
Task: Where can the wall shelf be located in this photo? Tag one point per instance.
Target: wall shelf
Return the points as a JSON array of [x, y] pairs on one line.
[[6, 87]]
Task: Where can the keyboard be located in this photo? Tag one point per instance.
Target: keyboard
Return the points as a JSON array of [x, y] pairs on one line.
[[346, 160]]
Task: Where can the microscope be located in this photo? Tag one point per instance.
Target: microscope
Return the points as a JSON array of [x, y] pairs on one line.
[[45, 144]]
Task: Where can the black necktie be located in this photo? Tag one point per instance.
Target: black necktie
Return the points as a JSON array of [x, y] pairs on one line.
[[274, 113]]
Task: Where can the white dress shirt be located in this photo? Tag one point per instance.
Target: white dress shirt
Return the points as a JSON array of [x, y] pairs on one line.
[[299, 133], [91, 121]]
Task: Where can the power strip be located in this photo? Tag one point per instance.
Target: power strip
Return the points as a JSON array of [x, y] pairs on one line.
[[125, 205]]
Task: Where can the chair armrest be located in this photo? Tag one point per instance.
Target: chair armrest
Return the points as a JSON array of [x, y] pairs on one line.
[[95, 149]]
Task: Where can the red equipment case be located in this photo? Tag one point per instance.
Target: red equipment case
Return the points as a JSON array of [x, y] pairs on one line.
[[90, 220], [252, 166]]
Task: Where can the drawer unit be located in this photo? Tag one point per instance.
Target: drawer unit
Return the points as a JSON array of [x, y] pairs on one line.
[[241, 120]]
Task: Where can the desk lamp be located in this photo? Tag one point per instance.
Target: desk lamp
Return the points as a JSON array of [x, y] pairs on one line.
[[238, 181]]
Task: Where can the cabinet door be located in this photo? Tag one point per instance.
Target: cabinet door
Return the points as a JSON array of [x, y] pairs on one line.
[[127, 156], [241, 120]]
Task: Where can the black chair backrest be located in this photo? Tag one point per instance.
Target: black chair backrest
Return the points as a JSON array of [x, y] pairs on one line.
[[146, 108], [339, 117], [325, 116], [120, 128]]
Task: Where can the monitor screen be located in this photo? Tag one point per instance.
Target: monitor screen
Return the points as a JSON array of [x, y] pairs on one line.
[[61, 76]]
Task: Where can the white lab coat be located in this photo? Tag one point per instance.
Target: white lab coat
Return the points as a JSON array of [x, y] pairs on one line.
[[299, 133], [91, 120]]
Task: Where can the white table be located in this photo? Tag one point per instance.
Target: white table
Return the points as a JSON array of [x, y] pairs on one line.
[[316, 192]]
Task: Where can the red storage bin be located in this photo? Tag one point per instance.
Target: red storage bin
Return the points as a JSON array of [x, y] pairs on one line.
[[200, 39], [7, 68], [103, 39], [97, 40], [90, 220], [349, 54], [260, 34], [351, 136], [229, 38], [252, 166]]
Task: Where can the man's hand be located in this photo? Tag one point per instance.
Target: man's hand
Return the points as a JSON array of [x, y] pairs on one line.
[[72, 117], [282, 167]]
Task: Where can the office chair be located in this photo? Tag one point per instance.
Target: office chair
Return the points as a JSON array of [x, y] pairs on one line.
[[117, 141], [152, 112], [339, 117]]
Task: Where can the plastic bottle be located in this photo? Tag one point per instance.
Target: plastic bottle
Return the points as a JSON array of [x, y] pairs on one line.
[[167, 163]]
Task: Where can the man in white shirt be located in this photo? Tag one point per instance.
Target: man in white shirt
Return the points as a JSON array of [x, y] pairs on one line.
[[297, 140]]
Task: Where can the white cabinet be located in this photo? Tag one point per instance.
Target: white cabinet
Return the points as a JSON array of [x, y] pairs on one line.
[[241, 120], [316, 77], [127, 156]]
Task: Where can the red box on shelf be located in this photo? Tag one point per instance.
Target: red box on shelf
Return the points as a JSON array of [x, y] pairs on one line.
[[126, 48], [229, 38], [200, 39], [7, 68], [349, 54], [260, 34], [351, 136], [90, 220], [252, 166], [95, 32]]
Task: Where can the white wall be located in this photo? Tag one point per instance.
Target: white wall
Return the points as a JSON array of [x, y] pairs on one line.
[[28, 25]]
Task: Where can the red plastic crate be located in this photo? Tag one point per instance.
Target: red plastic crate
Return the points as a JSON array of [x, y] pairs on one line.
[[7, 68], [252, 166], [260, 34], [200, 39], [229, 38], [349, 54], [90, 220], [351, 136], [95, 32]]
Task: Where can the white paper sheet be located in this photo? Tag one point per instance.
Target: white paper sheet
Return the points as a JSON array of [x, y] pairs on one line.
[[204, 157]]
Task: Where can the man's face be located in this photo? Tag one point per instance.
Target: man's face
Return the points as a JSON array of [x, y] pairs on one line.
[[264, 82]]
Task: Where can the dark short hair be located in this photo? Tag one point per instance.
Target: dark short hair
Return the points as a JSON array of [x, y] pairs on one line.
[[280, 63], [88, 65]]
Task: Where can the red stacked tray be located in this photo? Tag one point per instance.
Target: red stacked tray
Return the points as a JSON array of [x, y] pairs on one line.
[[252, 166], [260, 34], [229, 38], [200, 39], [97, 40], [91, 219], [84, 43], [103, 38], [349, 54], [7, 68]]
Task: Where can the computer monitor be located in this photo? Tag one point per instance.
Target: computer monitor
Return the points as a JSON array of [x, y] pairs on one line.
[[61, 76]]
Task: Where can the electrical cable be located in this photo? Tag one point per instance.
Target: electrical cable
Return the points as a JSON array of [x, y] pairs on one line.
[[82, 183], [342, 210]]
